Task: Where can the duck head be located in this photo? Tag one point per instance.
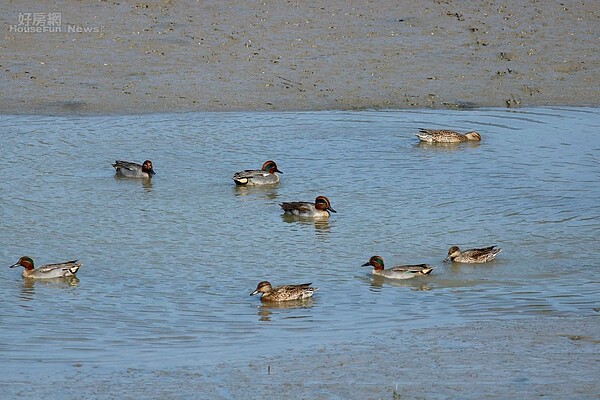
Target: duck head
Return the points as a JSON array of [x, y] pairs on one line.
[[147, 168], [262, 287], [453, 252], [322, 203], [25, 261], [376, 262], [270, 167]]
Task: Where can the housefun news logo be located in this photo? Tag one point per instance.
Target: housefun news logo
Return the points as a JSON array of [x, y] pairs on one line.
[[39, 22]]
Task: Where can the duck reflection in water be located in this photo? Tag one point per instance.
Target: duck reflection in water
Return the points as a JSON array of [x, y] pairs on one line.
[[320, 224], [146, 183], [267, 310], [268, 192], [446, 146], [377, 283], [70, 281], [29, 284]]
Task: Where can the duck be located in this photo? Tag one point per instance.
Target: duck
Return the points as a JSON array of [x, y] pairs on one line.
[[321, 208], [132, 170], [446, 136], [472, 255], [284, 292], [398, 271], [265, 176], [49, 271]]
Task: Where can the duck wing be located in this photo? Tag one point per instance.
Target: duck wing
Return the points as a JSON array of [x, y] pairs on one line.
[[295, 287], [482, 251], [415, 268], [249, 173], [130, 166], [298, 206], [486, 254], [66, 264], [66, 268]]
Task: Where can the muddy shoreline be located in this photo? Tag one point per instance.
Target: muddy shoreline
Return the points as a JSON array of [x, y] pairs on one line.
[[158, 56], [550, 357]]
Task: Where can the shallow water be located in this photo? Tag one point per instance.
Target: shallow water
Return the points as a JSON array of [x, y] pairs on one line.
[[169, 264]]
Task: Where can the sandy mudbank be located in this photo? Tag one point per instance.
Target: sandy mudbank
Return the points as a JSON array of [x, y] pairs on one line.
[[154, 56]]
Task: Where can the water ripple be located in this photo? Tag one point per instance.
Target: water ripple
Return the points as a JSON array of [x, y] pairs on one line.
[[169, 265]]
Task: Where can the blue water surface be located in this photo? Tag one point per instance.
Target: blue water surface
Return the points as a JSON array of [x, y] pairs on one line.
[[169, 264]]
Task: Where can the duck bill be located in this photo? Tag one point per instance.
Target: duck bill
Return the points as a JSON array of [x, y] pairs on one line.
[[253, 293], [331, 209], [276, 170], [14, 265], [366, 264], [447, 259], [151, 172]]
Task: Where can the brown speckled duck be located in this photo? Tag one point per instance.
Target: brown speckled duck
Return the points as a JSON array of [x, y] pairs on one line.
[[472, 255], [283, 293], [446, 136]]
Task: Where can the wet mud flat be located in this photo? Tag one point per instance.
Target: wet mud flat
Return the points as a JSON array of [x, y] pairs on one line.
[[160, 56]]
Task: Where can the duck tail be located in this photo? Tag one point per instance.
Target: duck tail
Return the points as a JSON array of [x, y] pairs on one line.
[[73, 270]]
